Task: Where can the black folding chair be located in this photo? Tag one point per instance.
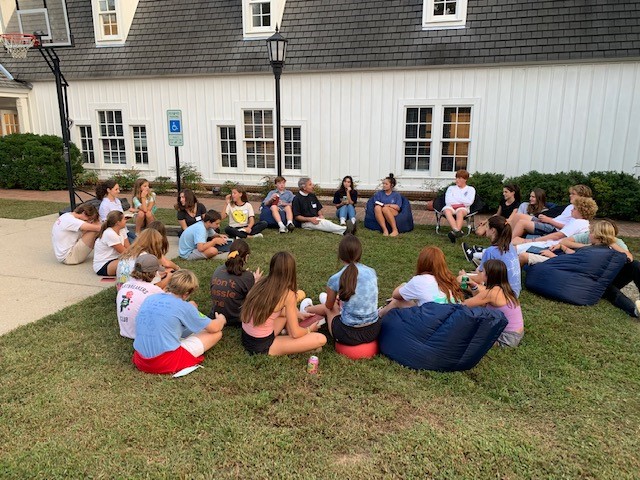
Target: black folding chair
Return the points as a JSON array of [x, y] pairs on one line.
[[470, 218]]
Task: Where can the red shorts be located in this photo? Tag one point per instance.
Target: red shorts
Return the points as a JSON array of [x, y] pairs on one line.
[[168, 362]]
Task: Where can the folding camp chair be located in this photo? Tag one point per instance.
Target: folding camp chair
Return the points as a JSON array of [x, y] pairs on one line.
[[474, 209]]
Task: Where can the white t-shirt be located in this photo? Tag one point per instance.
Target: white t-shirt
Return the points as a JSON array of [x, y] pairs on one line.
[[456, 195], [128, 301], [107, 206], [103, 249], [239, 215], [575, 226], [65, 234], [421, 288], [565, 217]]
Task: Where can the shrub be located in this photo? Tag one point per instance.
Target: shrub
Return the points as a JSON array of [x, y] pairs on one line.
[[555, 185], [190, 177], [88, 178], [267, 184], [227, 186], [162, 185], [127, 178], [489, 188], [617, 194], [36, 162]]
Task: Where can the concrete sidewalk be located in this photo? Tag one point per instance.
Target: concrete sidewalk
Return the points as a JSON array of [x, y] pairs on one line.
[[32, 283]]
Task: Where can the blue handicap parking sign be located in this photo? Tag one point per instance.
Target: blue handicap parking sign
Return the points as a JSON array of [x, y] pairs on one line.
[[174, 126]]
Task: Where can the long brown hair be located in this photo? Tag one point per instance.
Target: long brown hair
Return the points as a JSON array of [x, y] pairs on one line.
[[137, 187], [271, 290], [432, 261], [502, 239], [496, 272], [159, 226], [149, 241], [541, 202], [235, 264], [112, 219], [350, 252], [190, 200]]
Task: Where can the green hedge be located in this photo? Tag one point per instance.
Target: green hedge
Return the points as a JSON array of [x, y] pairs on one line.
[[35, 162], [617, 194]]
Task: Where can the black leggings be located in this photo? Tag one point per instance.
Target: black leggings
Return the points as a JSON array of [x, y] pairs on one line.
[[235, 232], [630, 273]]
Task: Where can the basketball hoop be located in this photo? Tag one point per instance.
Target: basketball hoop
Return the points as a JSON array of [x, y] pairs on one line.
[[18, 44]]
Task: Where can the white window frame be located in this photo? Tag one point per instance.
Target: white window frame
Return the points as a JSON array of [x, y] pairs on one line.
[[441, 22], [143, 150], [90, 152], [116, 137], [101, 38], [293, 171], [265, 169], [257, 33], [219, 128], [438, 106]]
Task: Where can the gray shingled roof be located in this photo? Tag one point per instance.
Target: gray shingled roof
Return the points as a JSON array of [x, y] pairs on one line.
[[175, 37]]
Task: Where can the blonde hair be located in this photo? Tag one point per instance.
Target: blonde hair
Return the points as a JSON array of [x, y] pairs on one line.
[[603, 232], [149, 241], [586, 206], [183, 282]]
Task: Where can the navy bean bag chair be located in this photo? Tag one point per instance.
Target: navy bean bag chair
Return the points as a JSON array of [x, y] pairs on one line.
[[404, 220], [580, 278], [441, 337], [267, 216]]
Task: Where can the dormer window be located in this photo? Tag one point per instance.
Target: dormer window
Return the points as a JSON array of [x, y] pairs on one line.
[[108, 17], [442, 14], [260, 14], [260, 17]]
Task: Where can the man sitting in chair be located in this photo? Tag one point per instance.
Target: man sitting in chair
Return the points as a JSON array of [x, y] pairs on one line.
[[458, 199], [306, 211]]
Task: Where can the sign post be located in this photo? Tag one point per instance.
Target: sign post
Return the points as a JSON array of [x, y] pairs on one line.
[[176, 139]]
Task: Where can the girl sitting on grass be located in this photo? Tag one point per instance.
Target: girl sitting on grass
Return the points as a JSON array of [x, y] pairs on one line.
[[231, 283], [432, 279], [149, 241], [270, 306], [353, 319], [498, 295], [144, 201], [112, 241], [242, 222]]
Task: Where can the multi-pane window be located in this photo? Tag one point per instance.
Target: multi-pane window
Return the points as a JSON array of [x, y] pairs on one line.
[[108, 17], [228, 147], [292, 148], [260, 14], [444, 7], [140, 148], [258, 138], [10, 124], [456, 130], [86, 144], [417, 138], [112, 137]]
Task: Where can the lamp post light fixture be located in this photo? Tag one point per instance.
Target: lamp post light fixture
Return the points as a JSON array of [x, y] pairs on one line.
[[277, 48]]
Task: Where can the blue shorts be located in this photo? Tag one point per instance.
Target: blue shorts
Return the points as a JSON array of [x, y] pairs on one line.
[[540, 228]]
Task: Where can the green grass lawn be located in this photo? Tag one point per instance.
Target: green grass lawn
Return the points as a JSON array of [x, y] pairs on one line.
[[27, 209], [563, 404]]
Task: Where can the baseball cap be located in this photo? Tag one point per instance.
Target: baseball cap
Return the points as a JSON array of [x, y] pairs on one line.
[[147, 263]]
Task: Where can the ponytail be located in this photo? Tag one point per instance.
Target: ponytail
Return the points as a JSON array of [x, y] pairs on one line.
[[101, 189], [349, 251], [348, 282], [502, 239], [114, 217]]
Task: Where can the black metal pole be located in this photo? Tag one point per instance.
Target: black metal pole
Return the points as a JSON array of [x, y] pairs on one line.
[[64, 123], [177, 155], [277, 71]]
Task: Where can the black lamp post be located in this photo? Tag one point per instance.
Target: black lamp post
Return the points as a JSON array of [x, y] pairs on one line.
[[277, 47]]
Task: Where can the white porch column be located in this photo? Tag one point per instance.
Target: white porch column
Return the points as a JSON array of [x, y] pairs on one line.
[[22, 106]]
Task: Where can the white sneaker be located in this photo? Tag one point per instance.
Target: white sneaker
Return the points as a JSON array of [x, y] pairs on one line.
[[343, 221], [283, 229], [323, 298], [307, 302], [257, 235], [637, 308]]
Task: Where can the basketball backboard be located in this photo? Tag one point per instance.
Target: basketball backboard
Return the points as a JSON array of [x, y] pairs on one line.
[[47, 17]]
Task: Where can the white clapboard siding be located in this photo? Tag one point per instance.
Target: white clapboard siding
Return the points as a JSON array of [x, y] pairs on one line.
[[548, 118]]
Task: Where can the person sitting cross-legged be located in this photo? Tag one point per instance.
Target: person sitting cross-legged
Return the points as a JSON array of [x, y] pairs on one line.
[[193, 244], [306, 211], [458, 199], [279, 202]]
